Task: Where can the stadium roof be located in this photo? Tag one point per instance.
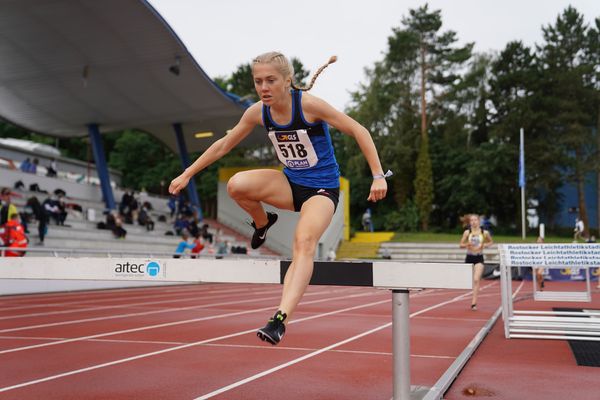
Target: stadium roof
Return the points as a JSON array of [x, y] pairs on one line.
[[65, 64]]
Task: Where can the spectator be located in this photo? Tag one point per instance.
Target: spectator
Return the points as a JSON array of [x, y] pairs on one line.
[[186, 209], [367, 221], [222, 248], [51, 170], [172, 204], [55, 210], [198, 246], [206, 235], [125, 204], [385, 253], [579, 229], [7, 209], [26, 165], [14, 237], [539, 271], [193, 226], [183, 245], [592, 239], [486, 224], [181, 224], [39, 213], [144, 218], [34, 165], [134, 207], [331, 256]]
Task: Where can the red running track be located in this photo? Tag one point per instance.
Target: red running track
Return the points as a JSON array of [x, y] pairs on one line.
[[199, 342]]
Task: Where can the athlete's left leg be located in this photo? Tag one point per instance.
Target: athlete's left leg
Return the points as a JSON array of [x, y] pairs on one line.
[[315, 217], [477, 272]]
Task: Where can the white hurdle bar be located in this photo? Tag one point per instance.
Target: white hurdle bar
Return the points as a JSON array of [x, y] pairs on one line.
[[399, 277]]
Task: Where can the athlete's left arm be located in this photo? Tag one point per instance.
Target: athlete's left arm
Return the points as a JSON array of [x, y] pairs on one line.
[[487, 240], [321, 110]]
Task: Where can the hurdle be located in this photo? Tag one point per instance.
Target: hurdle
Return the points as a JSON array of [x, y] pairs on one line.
[[562, 325], [398, 277]]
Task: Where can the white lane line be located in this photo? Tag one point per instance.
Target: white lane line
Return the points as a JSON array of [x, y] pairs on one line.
[[151, 312], [455, 319], [169, 324], [94, 295], [241, 346], [90, 340], [277, 348], [152, 295], [144, 303], [140, 356], [320, 351]]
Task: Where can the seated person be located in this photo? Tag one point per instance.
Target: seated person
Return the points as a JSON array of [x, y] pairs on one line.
[[198, 246], [183, 245], [25, 165], [55, 210], [180, 224], [145, 220], [206, 235]]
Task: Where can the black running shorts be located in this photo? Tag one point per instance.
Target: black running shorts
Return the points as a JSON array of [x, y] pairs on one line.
[[302, 193], [474, 259]]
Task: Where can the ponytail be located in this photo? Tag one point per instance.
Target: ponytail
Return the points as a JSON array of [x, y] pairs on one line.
[[332, 59]]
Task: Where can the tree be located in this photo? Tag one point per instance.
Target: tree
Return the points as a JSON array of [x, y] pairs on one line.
[[439, 63], [405, 97], [568, 63]]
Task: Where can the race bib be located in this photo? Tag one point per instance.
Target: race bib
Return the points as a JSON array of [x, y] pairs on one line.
[[294, 148]]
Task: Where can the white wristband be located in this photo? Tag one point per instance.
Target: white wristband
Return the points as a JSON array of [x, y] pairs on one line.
[[386, 175]]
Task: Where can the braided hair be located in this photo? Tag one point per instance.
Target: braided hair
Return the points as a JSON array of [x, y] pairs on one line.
[[286, 68]]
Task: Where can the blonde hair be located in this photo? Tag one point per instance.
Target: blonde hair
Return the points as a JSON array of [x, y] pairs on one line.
[[285, 67]]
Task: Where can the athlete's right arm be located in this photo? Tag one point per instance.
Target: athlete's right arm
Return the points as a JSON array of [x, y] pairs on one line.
[[251, 118], [463, 241]]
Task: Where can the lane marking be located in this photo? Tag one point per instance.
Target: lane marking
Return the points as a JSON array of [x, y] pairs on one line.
[[241, 346], [94, 367], [145, 303], [145, 355], [151, 312], [317, 352], [125, 298], [168, 324]]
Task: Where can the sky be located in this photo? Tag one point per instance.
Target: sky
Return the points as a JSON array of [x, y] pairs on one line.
[[223, 34]]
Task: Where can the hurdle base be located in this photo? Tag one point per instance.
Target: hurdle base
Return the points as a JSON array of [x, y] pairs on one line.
[[418, 392]]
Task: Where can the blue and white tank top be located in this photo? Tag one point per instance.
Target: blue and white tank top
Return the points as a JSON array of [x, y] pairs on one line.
[[304, 149]]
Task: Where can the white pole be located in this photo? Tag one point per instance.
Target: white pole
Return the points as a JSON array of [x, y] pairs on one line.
[[401, 344], [522, 180], [542, 231]]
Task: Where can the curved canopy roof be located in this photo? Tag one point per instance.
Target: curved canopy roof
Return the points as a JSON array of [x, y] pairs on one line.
[[65, 64]]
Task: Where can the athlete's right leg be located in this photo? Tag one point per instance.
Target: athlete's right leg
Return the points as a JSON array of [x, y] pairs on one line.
[[250, 188]]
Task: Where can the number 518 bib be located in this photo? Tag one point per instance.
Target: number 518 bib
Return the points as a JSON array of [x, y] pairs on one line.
[[294, 148]]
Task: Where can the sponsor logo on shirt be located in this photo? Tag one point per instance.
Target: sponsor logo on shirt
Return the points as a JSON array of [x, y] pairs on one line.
[[287, 137], [298, 163]]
